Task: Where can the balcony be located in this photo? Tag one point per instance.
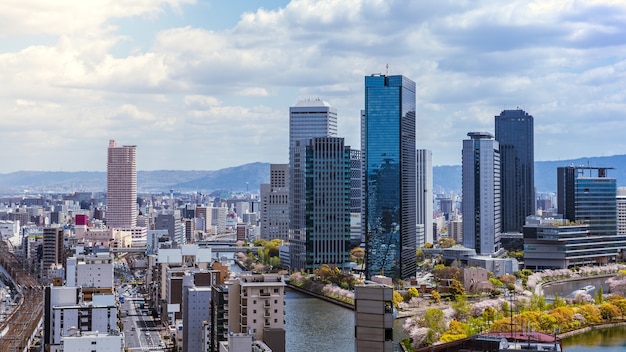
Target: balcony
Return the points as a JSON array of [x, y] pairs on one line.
[[265, 294]]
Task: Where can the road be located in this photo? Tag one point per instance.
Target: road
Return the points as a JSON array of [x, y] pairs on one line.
[[140, 329]]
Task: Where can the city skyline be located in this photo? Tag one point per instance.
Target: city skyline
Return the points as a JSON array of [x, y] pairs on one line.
[[161, 74]]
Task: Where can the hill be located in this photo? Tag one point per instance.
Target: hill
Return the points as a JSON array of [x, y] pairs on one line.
[[248, 177]]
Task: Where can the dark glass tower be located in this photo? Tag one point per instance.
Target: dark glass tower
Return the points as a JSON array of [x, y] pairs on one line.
[[327, 203], [588, 195], [514, 133], [388, 142]]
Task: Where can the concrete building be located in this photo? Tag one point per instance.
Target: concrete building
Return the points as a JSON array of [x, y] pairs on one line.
[[53, 249], [65, 313], [388, 130], [424, 193], [93, 341], [373, 318], [121, 186], [256, 305], [196, 310], [275, 204], [90, 271], [307, 119], [621, 210], [481, 193]]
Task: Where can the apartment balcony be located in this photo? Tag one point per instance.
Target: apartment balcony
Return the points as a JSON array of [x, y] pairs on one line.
[[265, 294]]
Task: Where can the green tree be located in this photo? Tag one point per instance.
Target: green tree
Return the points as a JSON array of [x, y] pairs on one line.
[[397, 298], [412, 292], [461, 308], [420, 255], [357, 255], [609, 311], [598, 297], [456, 288], [446, 242], [434, 320], [436, 296]]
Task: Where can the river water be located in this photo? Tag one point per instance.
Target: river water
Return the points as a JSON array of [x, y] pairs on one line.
[[313, 324], [604, 340]]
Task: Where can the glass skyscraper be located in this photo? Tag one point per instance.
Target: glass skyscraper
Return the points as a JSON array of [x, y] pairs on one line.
[[327, 203], [588, 195], [481, 193], [307, 119], [388, 143], [514, 133]]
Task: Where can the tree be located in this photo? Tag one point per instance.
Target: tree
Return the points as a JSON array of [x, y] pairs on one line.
[[434, 320], [357, 254], [436, 296], [420, 255], [598, 297], [412, 292], [609, 311], [456, 288], [397, 298], [446, 242], [461, 308]]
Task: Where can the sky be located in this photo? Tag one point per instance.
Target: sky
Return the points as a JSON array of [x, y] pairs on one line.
[[207, 84]]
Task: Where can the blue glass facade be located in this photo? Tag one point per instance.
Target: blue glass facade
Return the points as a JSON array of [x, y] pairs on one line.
[[588, 198], [388, 142], [514, 133]]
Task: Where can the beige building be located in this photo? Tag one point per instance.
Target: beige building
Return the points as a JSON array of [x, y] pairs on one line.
[[121, 186], [257, 306]]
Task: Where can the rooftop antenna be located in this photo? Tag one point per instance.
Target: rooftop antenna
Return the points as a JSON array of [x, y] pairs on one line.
[[387, 70]]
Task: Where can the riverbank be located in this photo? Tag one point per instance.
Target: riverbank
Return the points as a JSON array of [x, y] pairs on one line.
[[539, 288], [322, 297], [590, 328]]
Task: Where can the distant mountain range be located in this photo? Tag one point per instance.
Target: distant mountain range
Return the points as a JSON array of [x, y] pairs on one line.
[[248, 177]]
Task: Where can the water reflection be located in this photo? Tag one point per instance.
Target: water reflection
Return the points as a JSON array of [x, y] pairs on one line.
[[611, 339], [316, 325]]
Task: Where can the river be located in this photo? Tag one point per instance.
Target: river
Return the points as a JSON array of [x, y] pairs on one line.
[[605, 340], [313, 324]]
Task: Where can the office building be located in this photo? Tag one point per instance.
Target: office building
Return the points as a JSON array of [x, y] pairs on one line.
[[424, 192], [196, 310], [481, 193], [388, 144], [551, 242], [587, 194], [307, 119], [356, 181], [121, 186], [275, 204], [328, 200], [515, 136]]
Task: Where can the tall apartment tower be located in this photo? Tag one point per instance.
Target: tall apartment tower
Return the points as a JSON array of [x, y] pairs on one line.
[[481, 193], [514, 133], [388, 143], [307, 119], [275, 204], [424, 192], [621, 210], [587, 194], [53, 248], [327, 202], [121, 186], [256, 306]]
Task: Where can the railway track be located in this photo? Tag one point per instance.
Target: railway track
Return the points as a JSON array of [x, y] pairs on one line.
[[23, 321]]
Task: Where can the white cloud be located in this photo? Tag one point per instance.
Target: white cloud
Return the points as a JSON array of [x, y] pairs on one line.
[[198, 88]]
